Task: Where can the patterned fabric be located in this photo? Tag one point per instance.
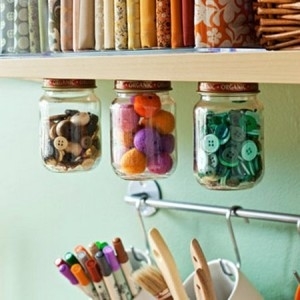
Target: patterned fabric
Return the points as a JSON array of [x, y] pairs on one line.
[[21, 28], [54, 25], [223, 23], [133, 24], [188, 23], [6, 26], [163, 23], [121, 34], [99, 25], [76, 12], [66, 25], [148, 23], [34, 29]]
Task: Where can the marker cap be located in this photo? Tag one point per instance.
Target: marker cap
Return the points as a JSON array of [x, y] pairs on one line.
[[103, 264], [111, 258], [120, 250], [65, 270], [80, 275]]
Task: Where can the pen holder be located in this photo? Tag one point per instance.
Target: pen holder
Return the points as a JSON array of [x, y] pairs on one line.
[[229, 282]]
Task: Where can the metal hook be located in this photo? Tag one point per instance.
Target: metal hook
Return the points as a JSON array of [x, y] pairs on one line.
[[139, 205], [232, 235], [298, 226]]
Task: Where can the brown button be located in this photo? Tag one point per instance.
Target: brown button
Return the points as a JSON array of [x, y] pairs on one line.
[[65, 128], [74, 148], [87, 163], [86, 142], [52, 132], [60, 143], [81, 118]]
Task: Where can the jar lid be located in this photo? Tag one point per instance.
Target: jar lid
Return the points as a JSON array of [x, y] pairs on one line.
[[53, 83], [142, 85], [228, 87]]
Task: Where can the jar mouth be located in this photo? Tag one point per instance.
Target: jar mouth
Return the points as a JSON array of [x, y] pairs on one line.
[[142, 85], [57, 83], [228, 87]]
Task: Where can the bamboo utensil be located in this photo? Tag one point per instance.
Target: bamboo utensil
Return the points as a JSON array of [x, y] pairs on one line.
[[203, 283], [166, 263]]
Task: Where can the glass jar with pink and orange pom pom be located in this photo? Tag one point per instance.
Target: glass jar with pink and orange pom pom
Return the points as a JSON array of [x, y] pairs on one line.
[[143, 130]]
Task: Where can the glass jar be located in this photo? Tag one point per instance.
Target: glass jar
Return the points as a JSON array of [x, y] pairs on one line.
[[143, 135], [70, 125], [228, 136]]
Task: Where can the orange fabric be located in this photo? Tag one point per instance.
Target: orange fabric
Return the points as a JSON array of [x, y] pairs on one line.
[[188, 23], [225, 23], [176, 24]]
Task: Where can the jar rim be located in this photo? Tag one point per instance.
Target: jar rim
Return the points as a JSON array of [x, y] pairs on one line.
[[133, 85], [58, 83], [228, 87]]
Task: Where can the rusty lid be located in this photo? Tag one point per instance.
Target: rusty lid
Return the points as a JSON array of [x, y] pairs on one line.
[[57, 83], [142, 85], [228, 87]]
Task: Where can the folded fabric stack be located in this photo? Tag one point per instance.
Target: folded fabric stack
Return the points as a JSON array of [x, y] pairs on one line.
[[35, 26]]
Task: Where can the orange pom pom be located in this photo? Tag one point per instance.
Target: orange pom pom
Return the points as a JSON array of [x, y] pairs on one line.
[[133, 162], [146, 105]]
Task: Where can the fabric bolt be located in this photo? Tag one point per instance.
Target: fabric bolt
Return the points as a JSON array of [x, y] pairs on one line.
[[176, 24], [121, 34], [224, 24], [34, 29], [54, 25], [76, 13], [86, 39], [148, 23], [6, 26], [163, 23], [133, 24], [188, 23], [109, 26], [99, 25], [66, 25], [21, 27], [43, 25]]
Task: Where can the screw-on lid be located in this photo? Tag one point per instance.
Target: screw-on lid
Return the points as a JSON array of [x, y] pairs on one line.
[[142, 85], [57, 83], [228, 87]]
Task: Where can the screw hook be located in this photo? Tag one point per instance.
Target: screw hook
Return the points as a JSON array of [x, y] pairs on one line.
[[229, 213]]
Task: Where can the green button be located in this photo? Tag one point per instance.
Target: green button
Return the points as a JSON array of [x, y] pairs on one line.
[[249, 150], [210, 143], [229, 157]]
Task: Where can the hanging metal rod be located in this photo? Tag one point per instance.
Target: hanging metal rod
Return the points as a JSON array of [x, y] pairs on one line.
[[236, 211]]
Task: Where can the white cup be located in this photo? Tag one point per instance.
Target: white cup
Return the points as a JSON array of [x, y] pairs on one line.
[[229, 282]]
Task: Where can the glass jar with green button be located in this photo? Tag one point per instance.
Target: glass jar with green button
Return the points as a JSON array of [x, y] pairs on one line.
[[70, 125], [228, 136]]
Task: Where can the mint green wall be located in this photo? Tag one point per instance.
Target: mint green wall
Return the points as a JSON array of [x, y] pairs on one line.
[[43, 214]]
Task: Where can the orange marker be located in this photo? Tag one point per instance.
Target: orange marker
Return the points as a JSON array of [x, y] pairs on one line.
[[85, 284]]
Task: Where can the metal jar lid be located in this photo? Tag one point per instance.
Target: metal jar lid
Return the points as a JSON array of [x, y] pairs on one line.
[[133, 85], [228, 87], [55, 83]]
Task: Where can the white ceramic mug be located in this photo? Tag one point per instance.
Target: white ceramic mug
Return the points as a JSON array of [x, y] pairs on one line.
[[227, 287]]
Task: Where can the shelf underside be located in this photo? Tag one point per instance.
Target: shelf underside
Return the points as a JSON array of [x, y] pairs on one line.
[[247, 65]]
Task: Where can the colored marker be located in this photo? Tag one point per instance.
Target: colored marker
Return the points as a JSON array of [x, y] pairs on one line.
[[71, 259], [122, 285], [59, 261], [108, 277], [101, 245], [97, 279], [125, 264], [93, 249], [84, 282], [83, 258], [65, 271]]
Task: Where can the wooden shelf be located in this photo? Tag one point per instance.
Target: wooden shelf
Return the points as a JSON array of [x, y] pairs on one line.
[[247, 65]]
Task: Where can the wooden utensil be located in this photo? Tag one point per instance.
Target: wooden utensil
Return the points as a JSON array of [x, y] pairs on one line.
[[166, 263], [203, 280]]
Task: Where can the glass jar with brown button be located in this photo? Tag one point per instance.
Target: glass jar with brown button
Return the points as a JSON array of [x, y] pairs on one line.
[[228, 136], [70, 132], [143, 131]]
